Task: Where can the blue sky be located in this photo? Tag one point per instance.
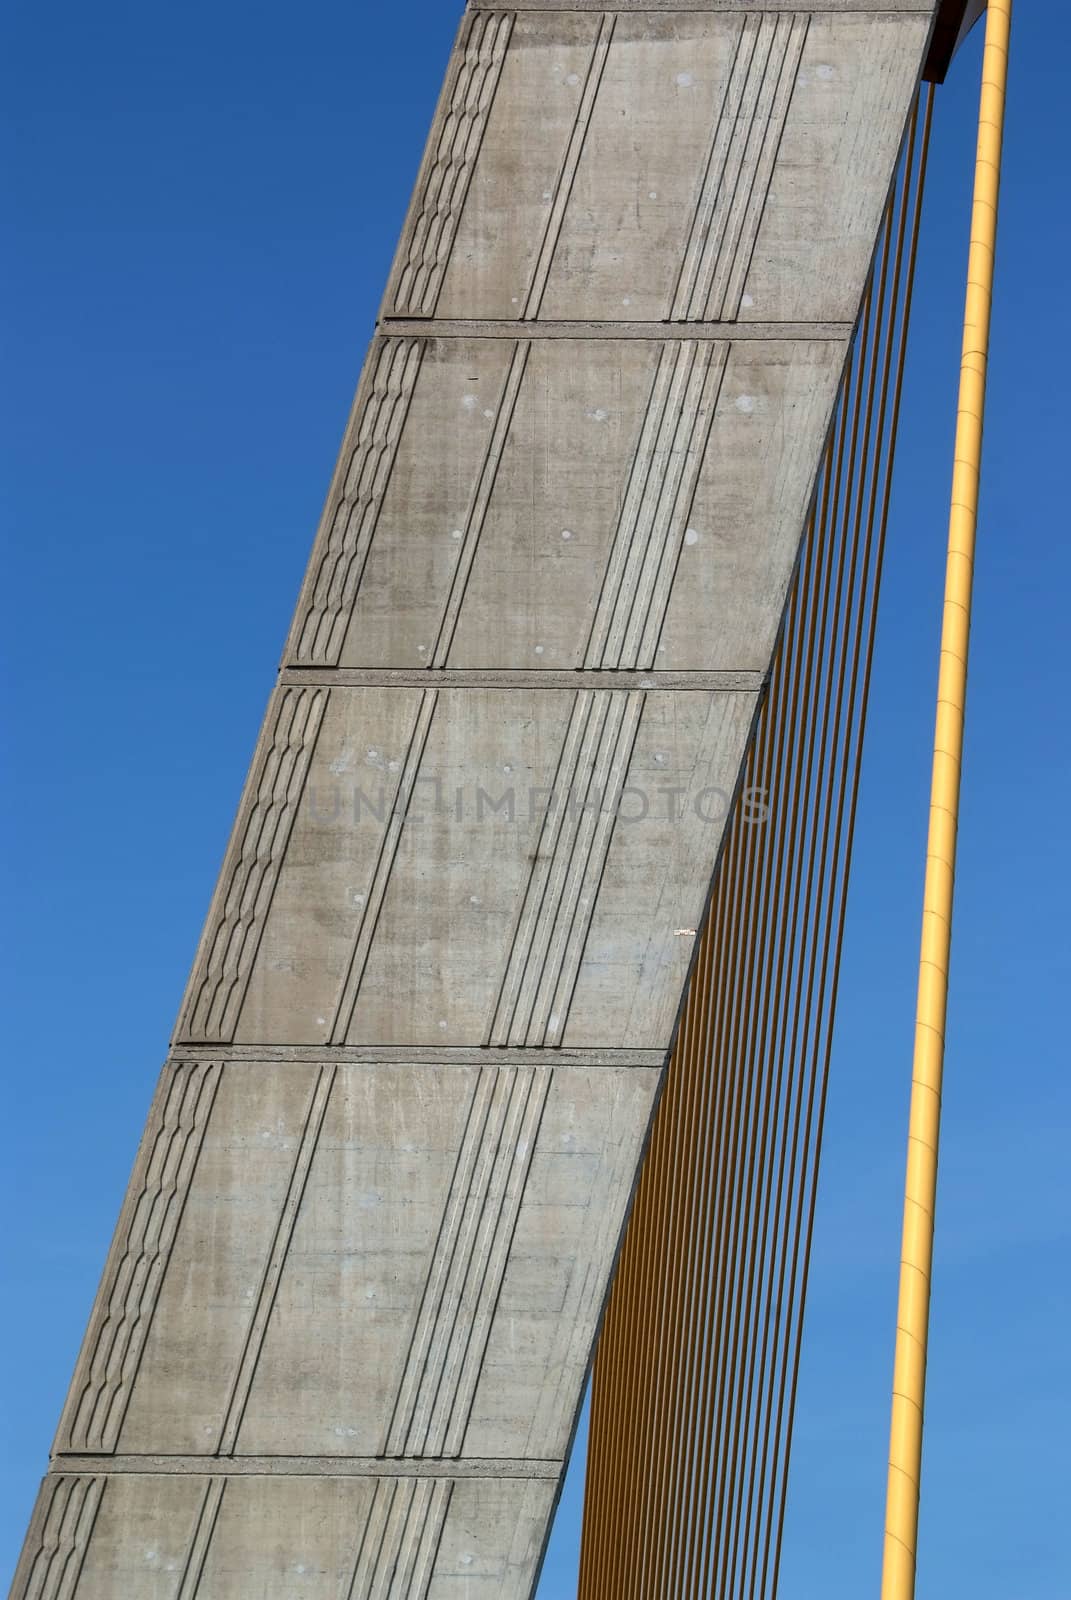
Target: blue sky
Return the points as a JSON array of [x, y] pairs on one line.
[[204, 201]]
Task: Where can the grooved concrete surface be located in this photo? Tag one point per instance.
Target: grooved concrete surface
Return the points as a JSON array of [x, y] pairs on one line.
[[342, 1333]]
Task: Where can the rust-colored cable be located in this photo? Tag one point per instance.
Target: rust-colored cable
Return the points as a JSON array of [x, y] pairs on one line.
[[696, 1372], [882, 527]]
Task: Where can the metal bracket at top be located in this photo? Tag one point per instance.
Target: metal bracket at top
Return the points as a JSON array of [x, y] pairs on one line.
[[954, 22]]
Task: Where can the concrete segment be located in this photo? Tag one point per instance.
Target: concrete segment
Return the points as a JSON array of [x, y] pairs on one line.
[[544, 506], [342, 1332], [685, 166], [432, 818], [170, 1538], [395, 1264]]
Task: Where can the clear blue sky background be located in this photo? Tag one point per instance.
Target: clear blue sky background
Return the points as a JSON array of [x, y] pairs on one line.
[[202, 202]]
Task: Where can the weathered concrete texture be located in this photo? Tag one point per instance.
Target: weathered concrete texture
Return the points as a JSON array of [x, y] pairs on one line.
[[492, 915], [532, 500], [342, 1332], [164, 1537], [374, 1260], [629, 160]]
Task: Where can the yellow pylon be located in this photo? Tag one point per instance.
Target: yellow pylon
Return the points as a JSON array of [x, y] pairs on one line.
[[909, 1381]]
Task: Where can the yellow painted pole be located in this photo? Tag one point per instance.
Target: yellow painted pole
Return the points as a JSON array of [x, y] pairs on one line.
[[909, 1380]]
